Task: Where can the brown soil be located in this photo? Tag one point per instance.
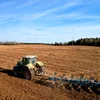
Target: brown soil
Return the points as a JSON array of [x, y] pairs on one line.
[[69, 60]]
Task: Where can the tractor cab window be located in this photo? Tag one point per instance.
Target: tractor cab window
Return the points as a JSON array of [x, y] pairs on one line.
[[26, 61], [32, 60], [29, 60]]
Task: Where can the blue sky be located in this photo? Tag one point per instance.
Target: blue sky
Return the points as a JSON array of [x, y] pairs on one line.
[[49, 21]]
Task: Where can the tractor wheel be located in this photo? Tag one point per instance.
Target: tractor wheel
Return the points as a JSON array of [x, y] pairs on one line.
[[41, 70], [28, 73]]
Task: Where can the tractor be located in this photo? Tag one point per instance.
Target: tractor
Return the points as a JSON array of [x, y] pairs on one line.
[[28, 67]]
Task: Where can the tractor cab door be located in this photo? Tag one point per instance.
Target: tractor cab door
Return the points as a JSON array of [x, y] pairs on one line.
[[25, 61]]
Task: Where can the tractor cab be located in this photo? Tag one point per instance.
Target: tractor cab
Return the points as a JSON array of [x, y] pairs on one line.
[[27, 60]]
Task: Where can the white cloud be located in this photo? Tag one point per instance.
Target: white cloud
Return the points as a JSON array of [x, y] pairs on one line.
[[26, 3], [75, 16], [51, 34], [13, 16], [49, 11]]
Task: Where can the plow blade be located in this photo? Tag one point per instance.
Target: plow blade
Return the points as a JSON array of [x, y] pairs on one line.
[[77, 84]]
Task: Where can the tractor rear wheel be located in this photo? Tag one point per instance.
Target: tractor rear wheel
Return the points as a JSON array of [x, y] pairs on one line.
[[28, 73]]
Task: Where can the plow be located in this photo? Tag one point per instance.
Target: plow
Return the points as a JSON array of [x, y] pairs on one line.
[[88, 85], [29, 67]]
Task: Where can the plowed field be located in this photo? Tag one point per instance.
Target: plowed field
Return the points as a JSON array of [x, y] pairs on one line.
[[69, 60]]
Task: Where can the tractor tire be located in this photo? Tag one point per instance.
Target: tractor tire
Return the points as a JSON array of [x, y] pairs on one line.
[[43, 70], [28, 73], [40, 71]]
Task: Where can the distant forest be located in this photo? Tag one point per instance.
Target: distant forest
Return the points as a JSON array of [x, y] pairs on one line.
[[86, 42], [82, 41]]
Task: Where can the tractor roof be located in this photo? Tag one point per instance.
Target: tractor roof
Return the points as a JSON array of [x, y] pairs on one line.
[[30, 56]]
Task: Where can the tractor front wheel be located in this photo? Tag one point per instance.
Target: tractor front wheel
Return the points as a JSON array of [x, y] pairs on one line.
[[41, 70]]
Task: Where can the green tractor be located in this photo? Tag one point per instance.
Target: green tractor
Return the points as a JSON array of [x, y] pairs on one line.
[[28, 67]]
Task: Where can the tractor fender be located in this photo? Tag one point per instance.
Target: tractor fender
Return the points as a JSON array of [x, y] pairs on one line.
[[30, 66], [39, 63]]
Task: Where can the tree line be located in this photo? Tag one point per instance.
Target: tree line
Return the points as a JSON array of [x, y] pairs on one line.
[[19, 43], [8, 43], [82, 41], [86, 42]]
